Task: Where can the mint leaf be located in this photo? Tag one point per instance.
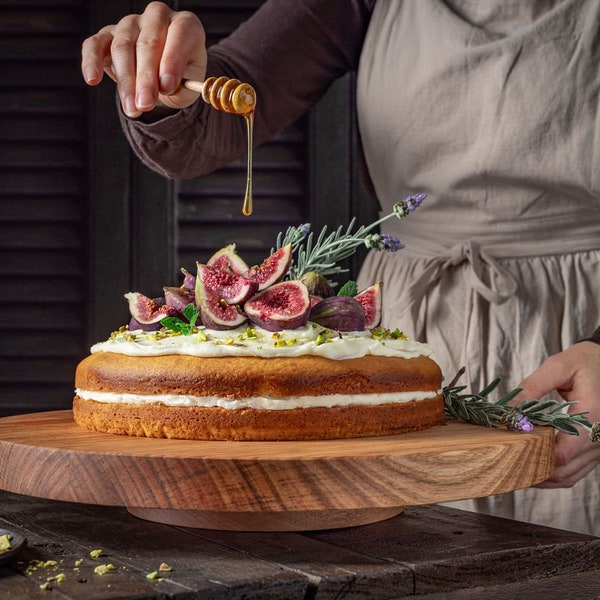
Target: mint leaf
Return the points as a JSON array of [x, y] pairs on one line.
[[177, 325], [191, 313], [348, 289]]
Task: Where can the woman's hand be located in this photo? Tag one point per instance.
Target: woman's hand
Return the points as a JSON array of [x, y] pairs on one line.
[[147, 55], [575, 375]]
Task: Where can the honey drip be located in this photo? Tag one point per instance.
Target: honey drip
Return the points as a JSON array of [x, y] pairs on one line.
[[234, 97]]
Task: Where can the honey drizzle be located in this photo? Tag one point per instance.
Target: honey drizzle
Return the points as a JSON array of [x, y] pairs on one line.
[[247, 206], [234, 97]]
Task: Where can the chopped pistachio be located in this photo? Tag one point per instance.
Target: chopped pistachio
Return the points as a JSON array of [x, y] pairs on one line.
[[103, 569], [164, 567], [153, 575], [5, 544], [96, 553], [321, 339]]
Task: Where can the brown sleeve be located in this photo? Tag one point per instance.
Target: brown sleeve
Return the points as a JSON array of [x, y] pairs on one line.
[[290, 51], [595, 337]]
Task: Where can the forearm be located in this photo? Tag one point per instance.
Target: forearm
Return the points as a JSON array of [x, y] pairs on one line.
[[290, 51]]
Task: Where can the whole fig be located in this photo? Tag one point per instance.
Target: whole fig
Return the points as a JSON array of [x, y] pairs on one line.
[[317, 284], [340, 313]]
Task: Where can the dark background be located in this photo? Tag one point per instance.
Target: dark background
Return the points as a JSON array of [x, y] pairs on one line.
[[82, 221]]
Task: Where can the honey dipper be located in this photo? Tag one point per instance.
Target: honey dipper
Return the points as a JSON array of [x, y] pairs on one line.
[[223, 93]]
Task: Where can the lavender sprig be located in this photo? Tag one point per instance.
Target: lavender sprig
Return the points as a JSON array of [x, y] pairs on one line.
[[477, 409], [322, 255]]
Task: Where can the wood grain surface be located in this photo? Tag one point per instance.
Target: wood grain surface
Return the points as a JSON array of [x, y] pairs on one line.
[[428, 552], [48, 455]]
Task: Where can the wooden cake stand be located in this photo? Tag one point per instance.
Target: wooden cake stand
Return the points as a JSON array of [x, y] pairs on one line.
[[267, 486]]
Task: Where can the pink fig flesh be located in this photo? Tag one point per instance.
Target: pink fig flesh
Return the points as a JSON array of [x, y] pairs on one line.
[[234, 289]]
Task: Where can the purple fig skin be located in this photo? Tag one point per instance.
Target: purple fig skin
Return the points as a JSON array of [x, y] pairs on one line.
[[284, 305], [178, 297], [215, 312], [210, 323], [340, 313], [147, 311], [227, 259], [134, 324], [370, 300], [234, 289], [317, 284], [189, 280], [272, 269]]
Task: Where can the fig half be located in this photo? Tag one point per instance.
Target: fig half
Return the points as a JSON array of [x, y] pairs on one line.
[[370, 300], [285, 305], [147, 311], [227, 259], [234, 289], [272, 269], [215, 312]]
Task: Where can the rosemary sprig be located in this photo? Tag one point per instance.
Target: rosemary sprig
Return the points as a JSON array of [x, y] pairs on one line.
[[476, 408], [322, 254]]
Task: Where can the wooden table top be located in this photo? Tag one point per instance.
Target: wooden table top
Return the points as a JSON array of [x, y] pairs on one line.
[[430, 551]]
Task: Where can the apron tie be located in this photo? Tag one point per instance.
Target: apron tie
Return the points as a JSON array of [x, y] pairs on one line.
[[500, 288], [502, 284]]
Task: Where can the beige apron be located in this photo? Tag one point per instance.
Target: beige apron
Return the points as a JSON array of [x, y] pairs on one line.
[[491, 108]]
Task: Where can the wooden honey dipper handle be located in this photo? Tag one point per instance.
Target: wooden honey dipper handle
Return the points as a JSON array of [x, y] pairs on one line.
[[223, 93]]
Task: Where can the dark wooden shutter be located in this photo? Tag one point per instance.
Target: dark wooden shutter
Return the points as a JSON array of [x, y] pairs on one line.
[[42, 202], [83, 221]]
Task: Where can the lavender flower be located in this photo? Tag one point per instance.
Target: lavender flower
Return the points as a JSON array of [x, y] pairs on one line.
[[524, 424], [384, 241], [408, 205], [322, 254]]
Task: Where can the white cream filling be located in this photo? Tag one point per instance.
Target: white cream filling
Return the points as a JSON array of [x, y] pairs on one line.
[[308, 340], [256, 402]]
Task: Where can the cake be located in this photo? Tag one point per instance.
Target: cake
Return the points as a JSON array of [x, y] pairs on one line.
[[269, 352], [253, 384]]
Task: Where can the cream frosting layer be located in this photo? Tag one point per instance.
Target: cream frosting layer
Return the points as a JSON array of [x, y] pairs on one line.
[[308, 340], [256, 402]]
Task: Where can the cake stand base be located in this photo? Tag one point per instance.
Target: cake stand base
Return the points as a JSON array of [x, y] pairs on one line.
[[301, 520]]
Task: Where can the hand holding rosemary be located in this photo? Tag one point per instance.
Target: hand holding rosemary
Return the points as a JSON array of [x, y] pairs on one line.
[[476, 408]]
